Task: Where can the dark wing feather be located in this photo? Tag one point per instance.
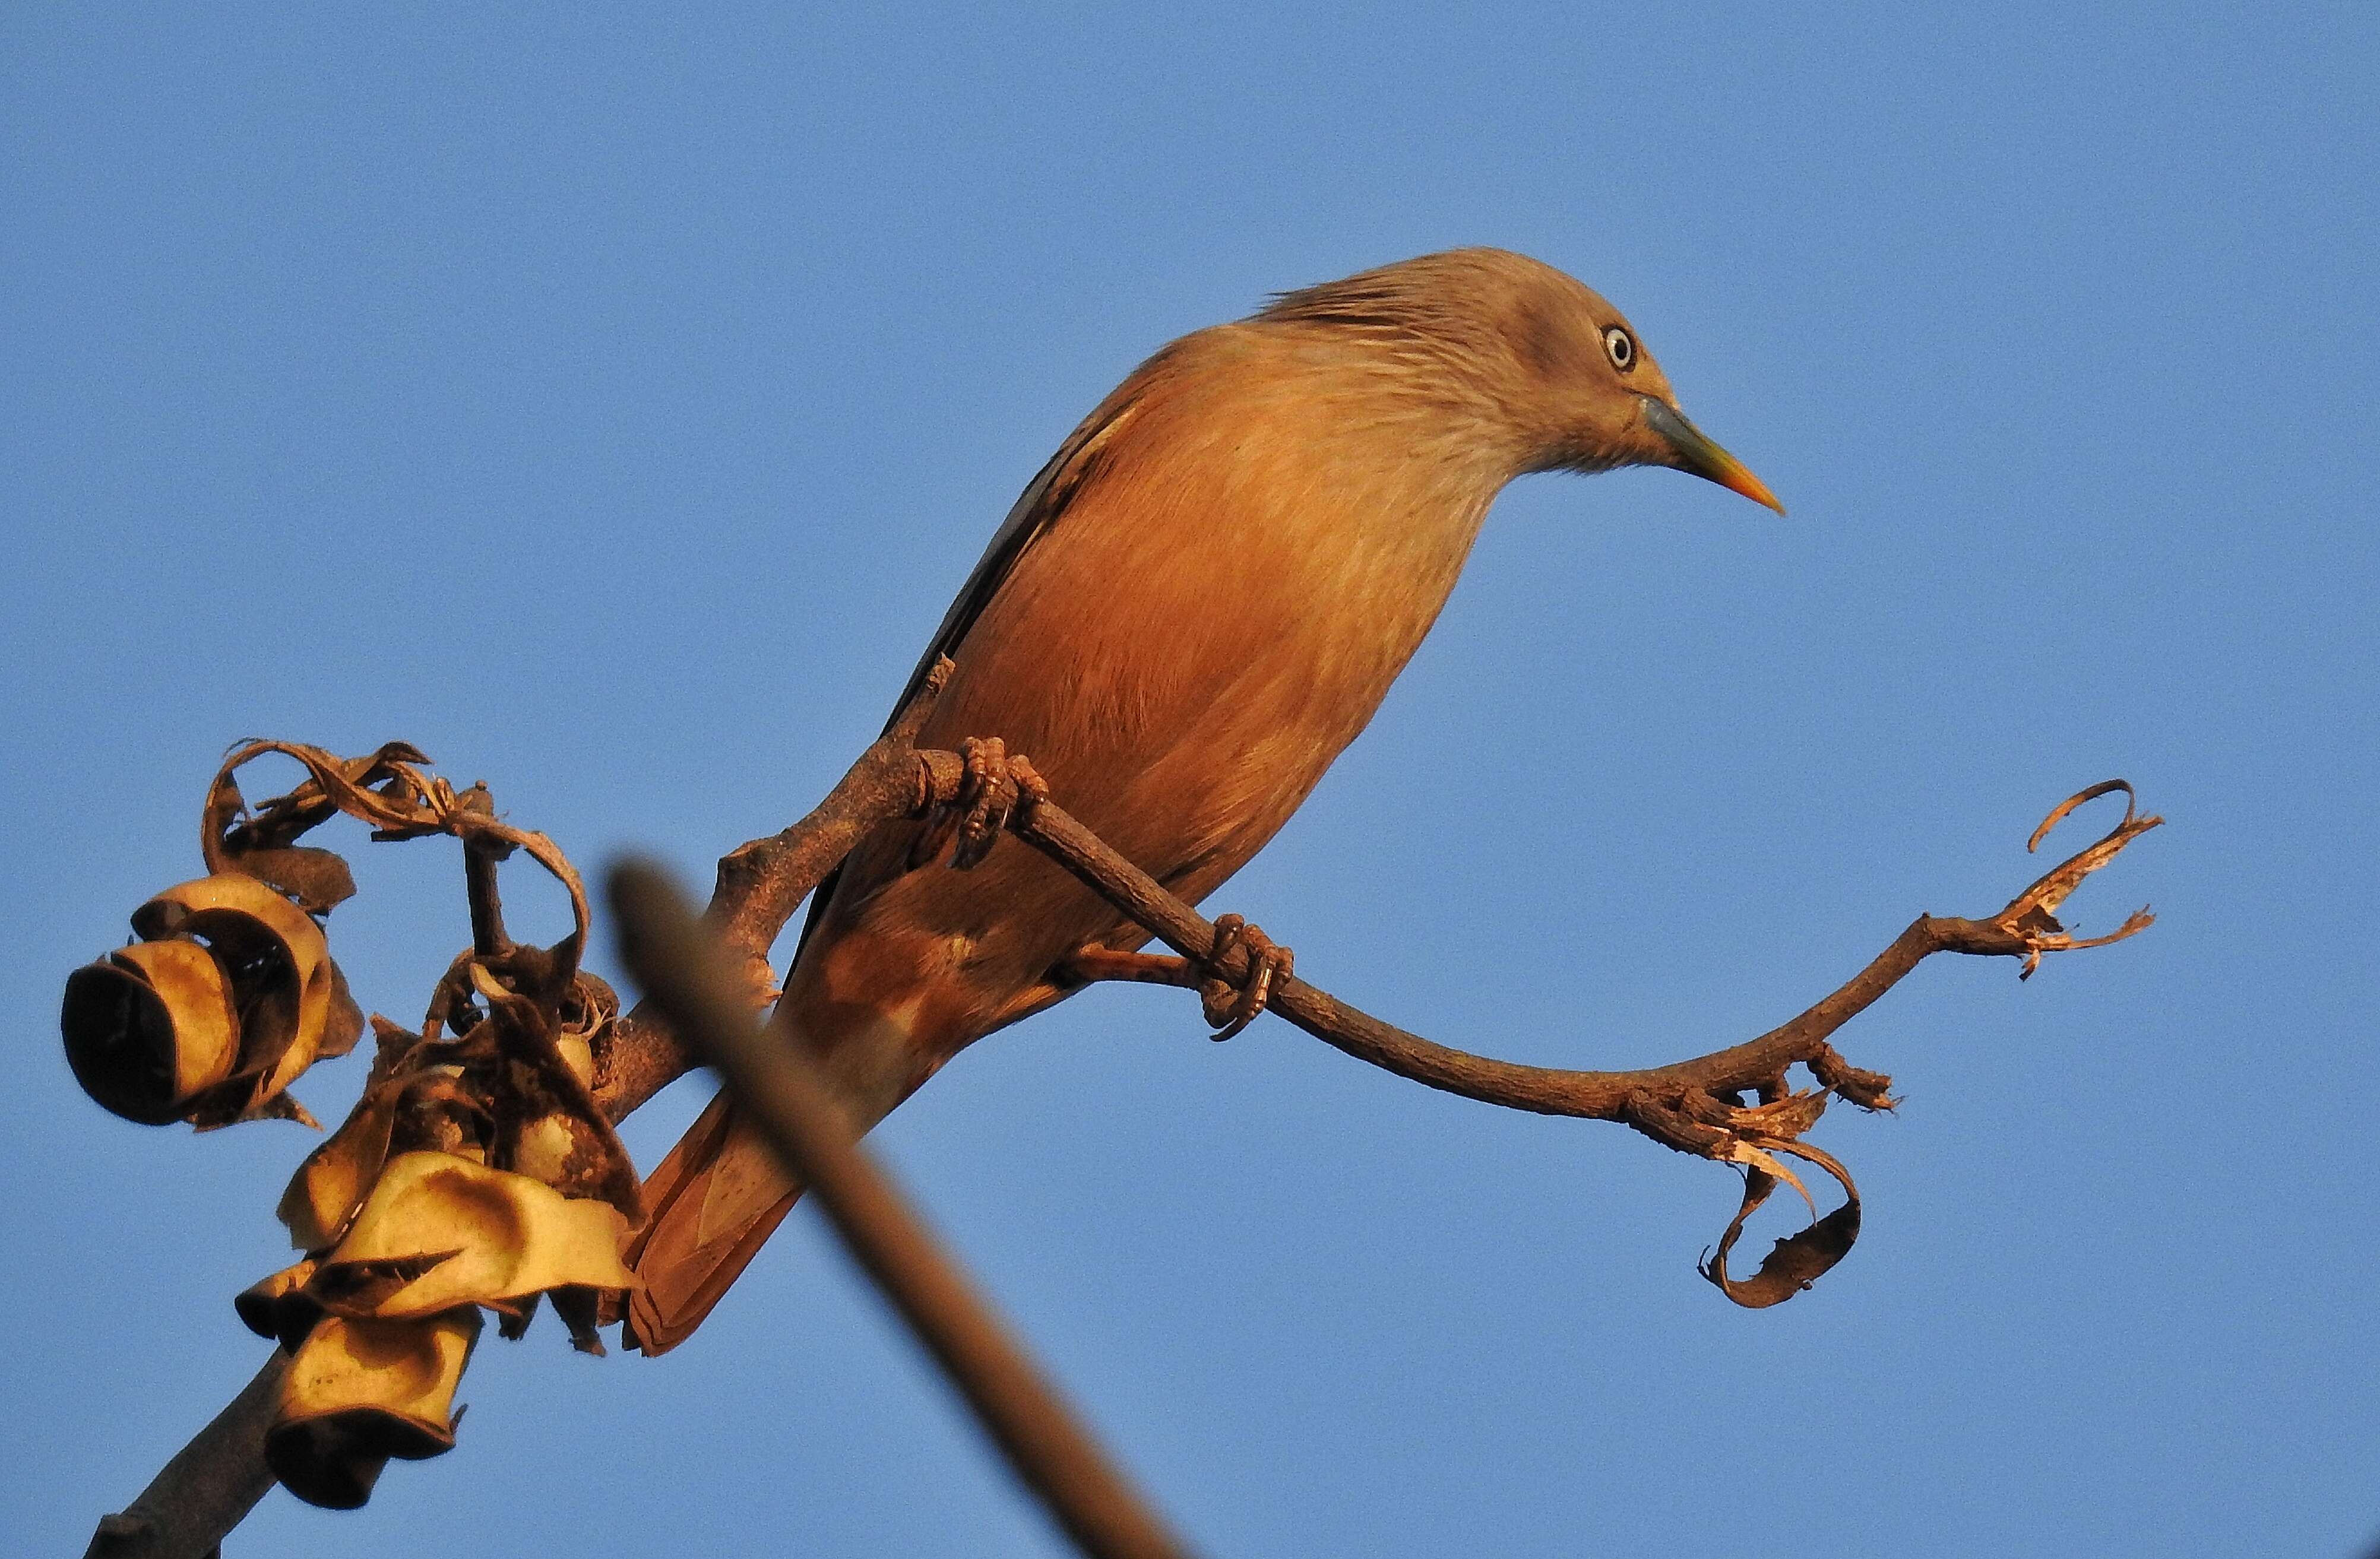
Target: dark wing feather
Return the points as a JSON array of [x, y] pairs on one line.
[[1035, 511], [1037, 508]]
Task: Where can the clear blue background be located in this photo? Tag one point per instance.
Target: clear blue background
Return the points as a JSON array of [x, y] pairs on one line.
[[610, 405]]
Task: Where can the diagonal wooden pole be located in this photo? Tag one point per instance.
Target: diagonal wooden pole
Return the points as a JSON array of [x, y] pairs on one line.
[[688, 975]]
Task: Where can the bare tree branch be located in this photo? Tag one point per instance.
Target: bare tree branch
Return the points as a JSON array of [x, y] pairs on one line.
[[2022, 929], [207, 1489], [1694, 1105]]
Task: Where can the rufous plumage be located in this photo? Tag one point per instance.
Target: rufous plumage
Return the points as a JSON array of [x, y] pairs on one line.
[[1193, 608]]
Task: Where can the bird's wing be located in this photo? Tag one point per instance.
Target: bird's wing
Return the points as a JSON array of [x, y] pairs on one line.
[[1036, 510]]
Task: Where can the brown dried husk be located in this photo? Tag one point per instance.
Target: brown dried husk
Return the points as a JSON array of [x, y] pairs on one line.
[[149, 1028], [361, 1391], [146, 1030], [439, 1230]]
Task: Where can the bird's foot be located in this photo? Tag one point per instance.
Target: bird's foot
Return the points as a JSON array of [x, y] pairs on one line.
[[996, 786], [1230, 1009]]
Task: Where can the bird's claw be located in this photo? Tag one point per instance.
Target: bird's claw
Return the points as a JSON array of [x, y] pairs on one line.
[[1229, 1008], [996, 786]]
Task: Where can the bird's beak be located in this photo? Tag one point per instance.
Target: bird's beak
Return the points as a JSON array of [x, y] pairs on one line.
[[1691, 450]]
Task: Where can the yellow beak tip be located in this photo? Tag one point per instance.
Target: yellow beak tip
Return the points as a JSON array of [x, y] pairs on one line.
[[1742, 481]]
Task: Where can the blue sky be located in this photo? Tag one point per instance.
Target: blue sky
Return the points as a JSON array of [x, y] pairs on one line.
[[609, 403]]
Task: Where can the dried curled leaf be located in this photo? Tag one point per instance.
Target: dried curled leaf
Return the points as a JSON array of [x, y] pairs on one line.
[[504, 1093], [146, 1030], [439, 1231], [317, 880], [418, 1105], [1798, 1260], [388, 790], [262, 844], [380, 787], [1789, 1117], [548, 1124], [582, 1311], [277, 1307], [332, 1181], [2032, 915], [150, 1027], [588, 1010], [360, 1392]]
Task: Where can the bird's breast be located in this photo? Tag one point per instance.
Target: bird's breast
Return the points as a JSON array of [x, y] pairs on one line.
[[1210, 629], [1181, 652]]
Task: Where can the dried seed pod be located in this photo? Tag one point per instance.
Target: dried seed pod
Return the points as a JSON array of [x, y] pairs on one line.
[[277, 1307], [332, 1181], [589, 1009], [439, 1231], [548, 1124], [149, 1027], [230, 995], [278, 961], [418, 1105], [360, 1392]]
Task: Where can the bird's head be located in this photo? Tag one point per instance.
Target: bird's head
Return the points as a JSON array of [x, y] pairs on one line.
[[1540, 360]]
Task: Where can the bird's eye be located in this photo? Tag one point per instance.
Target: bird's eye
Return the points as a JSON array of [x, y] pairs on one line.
[[1621, 348]]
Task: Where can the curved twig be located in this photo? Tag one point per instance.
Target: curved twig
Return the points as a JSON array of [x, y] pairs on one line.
[[2016, 931]]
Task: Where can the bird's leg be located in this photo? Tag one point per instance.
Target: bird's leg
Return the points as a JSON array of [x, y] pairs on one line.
[[1228, 1008], [995, 785], [1094, 963]]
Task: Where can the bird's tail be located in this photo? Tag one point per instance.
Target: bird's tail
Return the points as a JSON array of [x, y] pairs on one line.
[[712, 1203]]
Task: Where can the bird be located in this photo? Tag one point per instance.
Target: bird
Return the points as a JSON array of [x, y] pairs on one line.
[[1192, 610]]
